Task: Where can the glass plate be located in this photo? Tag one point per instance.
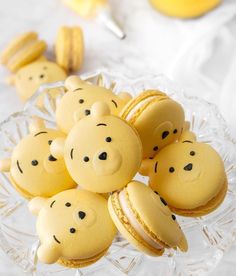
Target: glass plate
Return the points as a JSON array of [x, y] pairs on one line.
[[209, 236]]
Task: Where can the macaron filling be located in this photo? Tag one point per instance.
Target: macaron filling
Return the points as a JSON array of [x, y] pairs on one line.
[[135, 223]]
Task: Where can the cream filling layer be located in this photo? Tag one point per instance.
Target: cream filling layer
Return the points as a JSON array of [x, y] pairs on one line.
[[135, 223]]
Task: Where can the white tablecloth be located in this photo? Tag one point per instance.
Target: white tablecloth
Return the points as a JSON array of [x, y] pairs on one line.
[[198, 54]]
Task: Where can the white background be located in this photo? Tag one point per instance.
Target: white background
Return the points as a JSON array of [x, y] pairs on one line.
[[198, 54]]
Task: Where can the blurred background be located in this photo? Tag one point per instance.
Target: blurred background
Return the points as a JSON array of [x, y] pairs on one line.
[[198, 54]]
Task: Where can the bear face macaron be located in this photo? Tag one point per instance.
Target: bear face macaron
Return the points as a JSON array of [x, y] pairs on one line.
[[189, 175], [33, 170], [76, 103], [144, 219], [29, 78], [74, 228], [102, 152], [158, 119]]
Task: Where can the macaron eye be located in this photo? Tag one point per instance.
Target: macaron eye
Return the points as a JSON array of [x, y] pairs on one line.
[[68, 204], [82, 214], [173, 217], [171, 169], [49, 142], [81, 101], [34, 162], [165, 134], [163, 201], [175, 131], [86, 159], [192, 153], [108, 139], [72, 230], [155, 148]]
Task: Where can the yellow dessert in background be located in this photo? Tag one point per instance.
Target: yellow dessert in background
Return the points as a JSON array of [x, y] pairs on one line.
[[185, 8], [85, 8]]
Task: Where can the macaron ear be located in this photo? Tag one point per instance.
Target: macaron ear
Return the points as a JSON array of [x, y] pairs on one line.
[[100, 109], [126, 97], [36, 125], [73, 83], [11, 80], [48, 252], [183, 244], [5, 165], [145, 167], [187, 136], [57, 147], [36, 204]]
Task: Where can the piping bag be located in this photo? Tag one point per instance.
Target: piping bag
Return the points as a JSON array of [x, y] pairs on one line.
[[99, 9]]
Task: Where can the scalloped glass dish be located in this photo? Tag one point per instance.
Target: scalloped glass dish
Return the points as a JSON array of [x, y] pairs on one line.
[[209, 236]]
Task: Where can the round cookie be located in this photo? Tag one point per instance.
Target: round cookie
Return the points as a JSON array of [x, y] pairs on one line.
[[189, 175], [69, 48], [29, 78], [77, 102], [158, 119], [74, 228], [33, 170], [185, 8], [145, 220], [102, 152]]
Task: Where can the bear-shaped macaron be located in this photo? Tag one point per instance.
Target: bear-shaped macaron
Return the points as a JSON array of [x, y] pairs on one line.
[[33, 171], [158, 119], [74, 228], [190, 176], [80, 96], [29, 78], [102, 152]]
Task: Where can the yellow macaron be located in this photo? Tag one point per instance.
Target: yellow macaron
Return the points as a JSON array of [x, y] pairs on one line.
[[32, 169], [102, 152], [185, 8], [74, 228], [69, 48], [80, 96], [189, 175], [22, 50], [144, 219], [29, 78], [158, 119]]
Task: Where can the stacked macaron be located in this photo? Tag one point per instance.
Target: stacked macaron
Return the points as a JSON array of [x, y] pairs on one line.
[[24, 56], [80, 177]]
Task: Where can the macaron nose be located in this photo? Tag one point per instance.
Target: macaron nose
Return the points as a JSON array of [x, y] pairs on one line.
[[51, 158], [103, 156], [87, 112], [188, 167]]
